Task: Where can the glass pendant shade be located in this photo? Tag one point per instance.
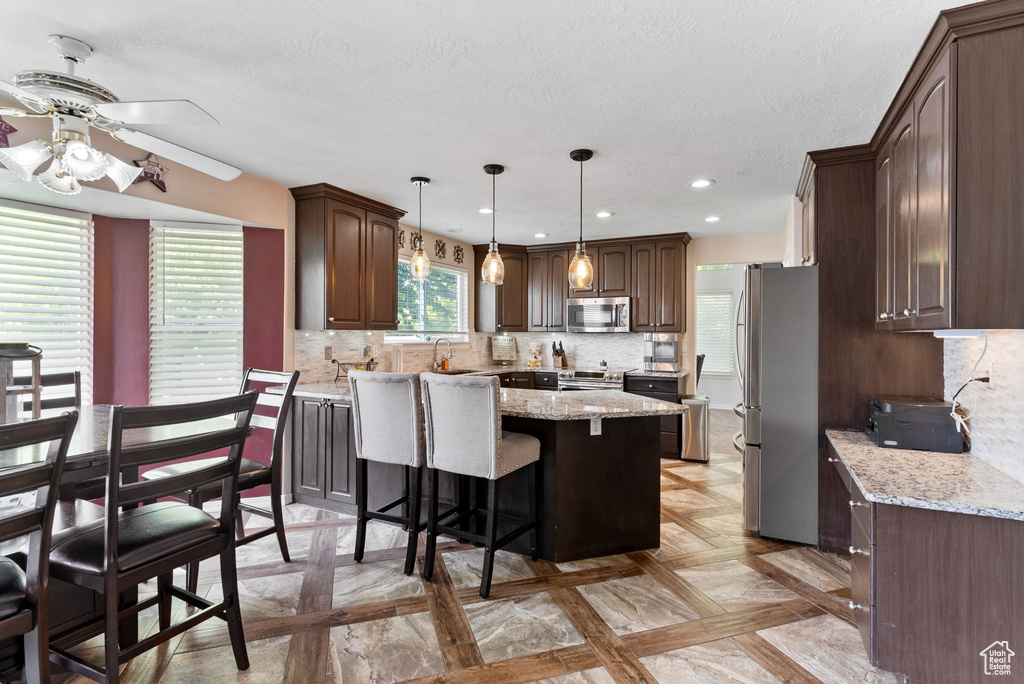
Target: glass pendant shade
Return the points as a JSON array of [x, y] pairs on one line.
[[24, 159], [581, 270], [492, 271], [419, 264], [83, 162], [64, 184], [122, 174]]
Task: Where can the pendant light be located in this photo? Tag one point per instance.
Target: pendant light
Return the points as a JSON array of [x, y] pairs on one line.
[[493, 269], [581, 270], [419, 264]]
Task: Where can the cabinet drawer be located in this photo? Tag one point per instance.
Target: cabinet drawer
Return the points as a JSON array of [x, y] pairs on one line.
[[840, 467], [861, 512], [545, 380], [862, 599], [642, 384]]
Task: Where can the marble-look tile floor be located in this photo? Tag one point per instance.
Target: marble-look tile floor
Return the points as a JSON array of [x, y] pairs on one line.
[[652, 616]]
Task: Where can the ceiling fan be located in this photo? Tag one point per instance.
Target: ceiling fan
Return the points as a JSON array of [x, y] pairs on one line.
[[75, 104]]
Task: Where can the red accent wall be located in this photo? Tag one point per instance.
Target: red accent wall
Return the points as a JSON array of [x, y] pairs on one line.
[[262, 322], [121, 327]]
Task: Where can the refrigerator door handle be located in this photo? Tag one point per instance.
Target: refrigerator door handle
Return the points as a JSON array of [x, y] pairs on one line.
[[739, 410], [737, 337], [737, 442]]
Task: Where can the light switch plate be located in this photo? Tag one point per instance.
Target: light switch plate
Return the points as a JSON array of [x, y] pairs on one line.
[[595, 427]]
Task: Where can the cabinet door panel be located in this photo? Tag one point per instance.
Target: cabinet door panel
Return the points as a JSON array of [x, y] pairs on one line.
[[538, 293], [558, 289], [643, 308], [613, 273], [512, 294], [309, 449], [903, 178], [342, 454], [669, 287], [345, 276], [382, 268], [883, 243], [808, 232], [931, 250]]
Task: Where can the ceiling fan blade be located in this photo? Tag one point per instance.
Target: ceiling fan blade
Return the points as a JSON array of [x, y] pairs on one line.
[[199, 162], [169, 112], [10, 111], [30, 100]]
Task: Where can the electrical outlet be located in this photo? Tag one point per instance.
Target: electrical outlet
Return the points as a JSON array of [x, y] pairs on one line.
[[595, 427], [328, 353]]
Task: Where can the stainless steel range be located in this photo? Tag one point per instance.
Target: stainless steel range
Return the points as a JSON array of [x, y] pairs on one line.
[[578, 380]]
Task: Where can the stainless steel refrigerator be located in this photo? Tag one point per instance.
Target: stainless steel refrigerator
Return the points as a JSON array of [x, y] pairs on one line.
[[777, 354]]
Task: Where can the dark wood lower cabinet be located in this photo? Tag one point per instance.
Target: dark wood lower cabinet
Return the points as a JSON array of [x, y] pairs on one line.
[[665, 389], [931, 590], [323, 453]]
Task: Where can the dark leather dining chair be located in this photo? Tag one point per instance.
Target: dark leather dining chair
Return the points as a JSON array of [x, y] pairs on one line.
[[134, 543], [23, 593], [71, 379], [252, 473]]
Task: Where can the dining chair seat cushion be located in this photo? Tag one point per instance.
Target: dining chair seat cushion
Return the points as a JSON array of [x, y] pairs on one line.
[[517, 450], [144, 534], [250, 472], [12, 587]]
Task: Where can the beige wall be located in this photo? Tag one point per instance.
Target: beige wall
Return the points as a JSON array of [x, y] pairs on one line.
[[726, 249]]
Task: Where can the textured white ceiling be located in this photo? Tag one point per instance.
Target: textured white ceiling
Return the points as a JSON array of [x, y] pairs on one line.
[[366, 94]]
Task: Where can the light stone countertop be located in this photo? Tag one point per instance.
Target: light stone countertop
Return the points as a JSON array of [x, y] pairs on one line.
[[960, 483], [541, 404]]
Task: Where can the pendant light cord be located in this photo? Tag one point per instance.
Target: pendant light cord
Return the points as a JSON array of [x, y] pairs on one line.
[[421, 215], [493, 196], [581, 202]]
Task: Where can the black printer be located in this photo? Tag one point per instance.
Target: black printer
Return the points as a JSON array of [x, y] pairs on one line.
[[914, 423]]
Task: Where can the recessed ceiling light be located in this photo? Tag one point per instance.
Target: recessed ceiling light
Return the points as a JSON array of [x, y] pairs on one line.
[[702, 183], [713, 219], [486, 210], [540, 235], [454, 230], [604, 214]]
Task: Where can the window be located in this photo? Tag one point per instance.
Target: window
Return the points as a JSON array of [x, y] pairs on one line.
[[715, 331], [195, 312], [714, 267], [46, 287], [438, 305]]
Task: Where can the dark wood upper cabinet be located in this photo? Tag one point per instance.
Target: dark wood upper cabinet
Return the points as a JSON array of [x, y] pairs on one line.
[[346, 253], [954, 140], [613, 271], [883, 243], [505, 307], [807, 226], [549, 284], [657, 287], [643, 309]]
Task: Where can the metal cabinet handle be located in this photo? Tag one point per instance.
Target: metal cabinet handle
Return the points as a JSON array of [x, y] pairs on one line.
[[856, 503], [650, 387], [832, 459], [330, 318], [906, 312], [854, 551], [884, 316], [857, 606]]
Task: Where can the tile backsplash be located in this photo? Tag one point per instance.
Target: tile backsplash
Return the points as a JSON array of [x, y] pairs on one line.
[[620, 350], [996, 435]]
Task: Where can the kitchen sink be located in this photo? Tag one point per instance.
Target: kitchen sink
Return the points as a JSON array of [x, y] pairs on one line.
[[457, 371]]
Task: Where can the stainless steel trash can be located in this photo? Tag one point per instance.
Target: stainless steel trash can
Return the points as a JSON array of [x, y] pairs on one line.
[[695, 428]]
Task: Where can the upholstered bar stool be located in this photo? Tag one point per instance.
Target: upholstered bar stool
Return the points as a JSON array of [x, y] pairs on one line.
[[464, 436], [388, 419]]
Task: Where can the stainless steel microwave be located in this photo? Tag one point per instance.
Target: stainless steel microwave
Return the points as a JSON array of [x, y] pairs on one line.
[[600, 314]]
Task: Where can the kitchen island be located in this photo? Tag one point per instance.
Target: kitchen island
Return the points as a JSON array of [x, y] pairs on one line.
[[598, 482]]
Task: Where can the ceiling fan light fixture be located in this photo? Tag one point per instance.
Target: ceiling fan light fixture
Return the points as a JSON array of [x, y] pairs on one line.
[[419, 264], [492, 270], [82, 161], [58, 181], [581, 269], [122, 174], [24, 159]]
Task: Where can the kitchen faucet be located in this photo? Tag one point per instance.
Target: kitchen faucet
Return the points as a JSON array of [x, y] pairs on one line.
[[437, 364]]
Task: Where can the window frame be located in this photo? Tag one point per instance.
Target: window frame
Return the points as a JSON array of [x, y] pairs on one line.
[[707, 371], [426, 337]]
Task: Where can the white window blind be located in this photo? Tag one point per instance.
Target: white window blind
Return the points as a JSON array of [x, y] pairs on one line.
[[437, 305], [715, 331], [46, 288], [195, 304]]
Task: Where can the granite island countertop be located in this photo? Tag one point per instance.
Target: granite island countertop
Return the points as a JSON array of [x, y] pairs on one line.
[[959, 483], [540, 404]]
